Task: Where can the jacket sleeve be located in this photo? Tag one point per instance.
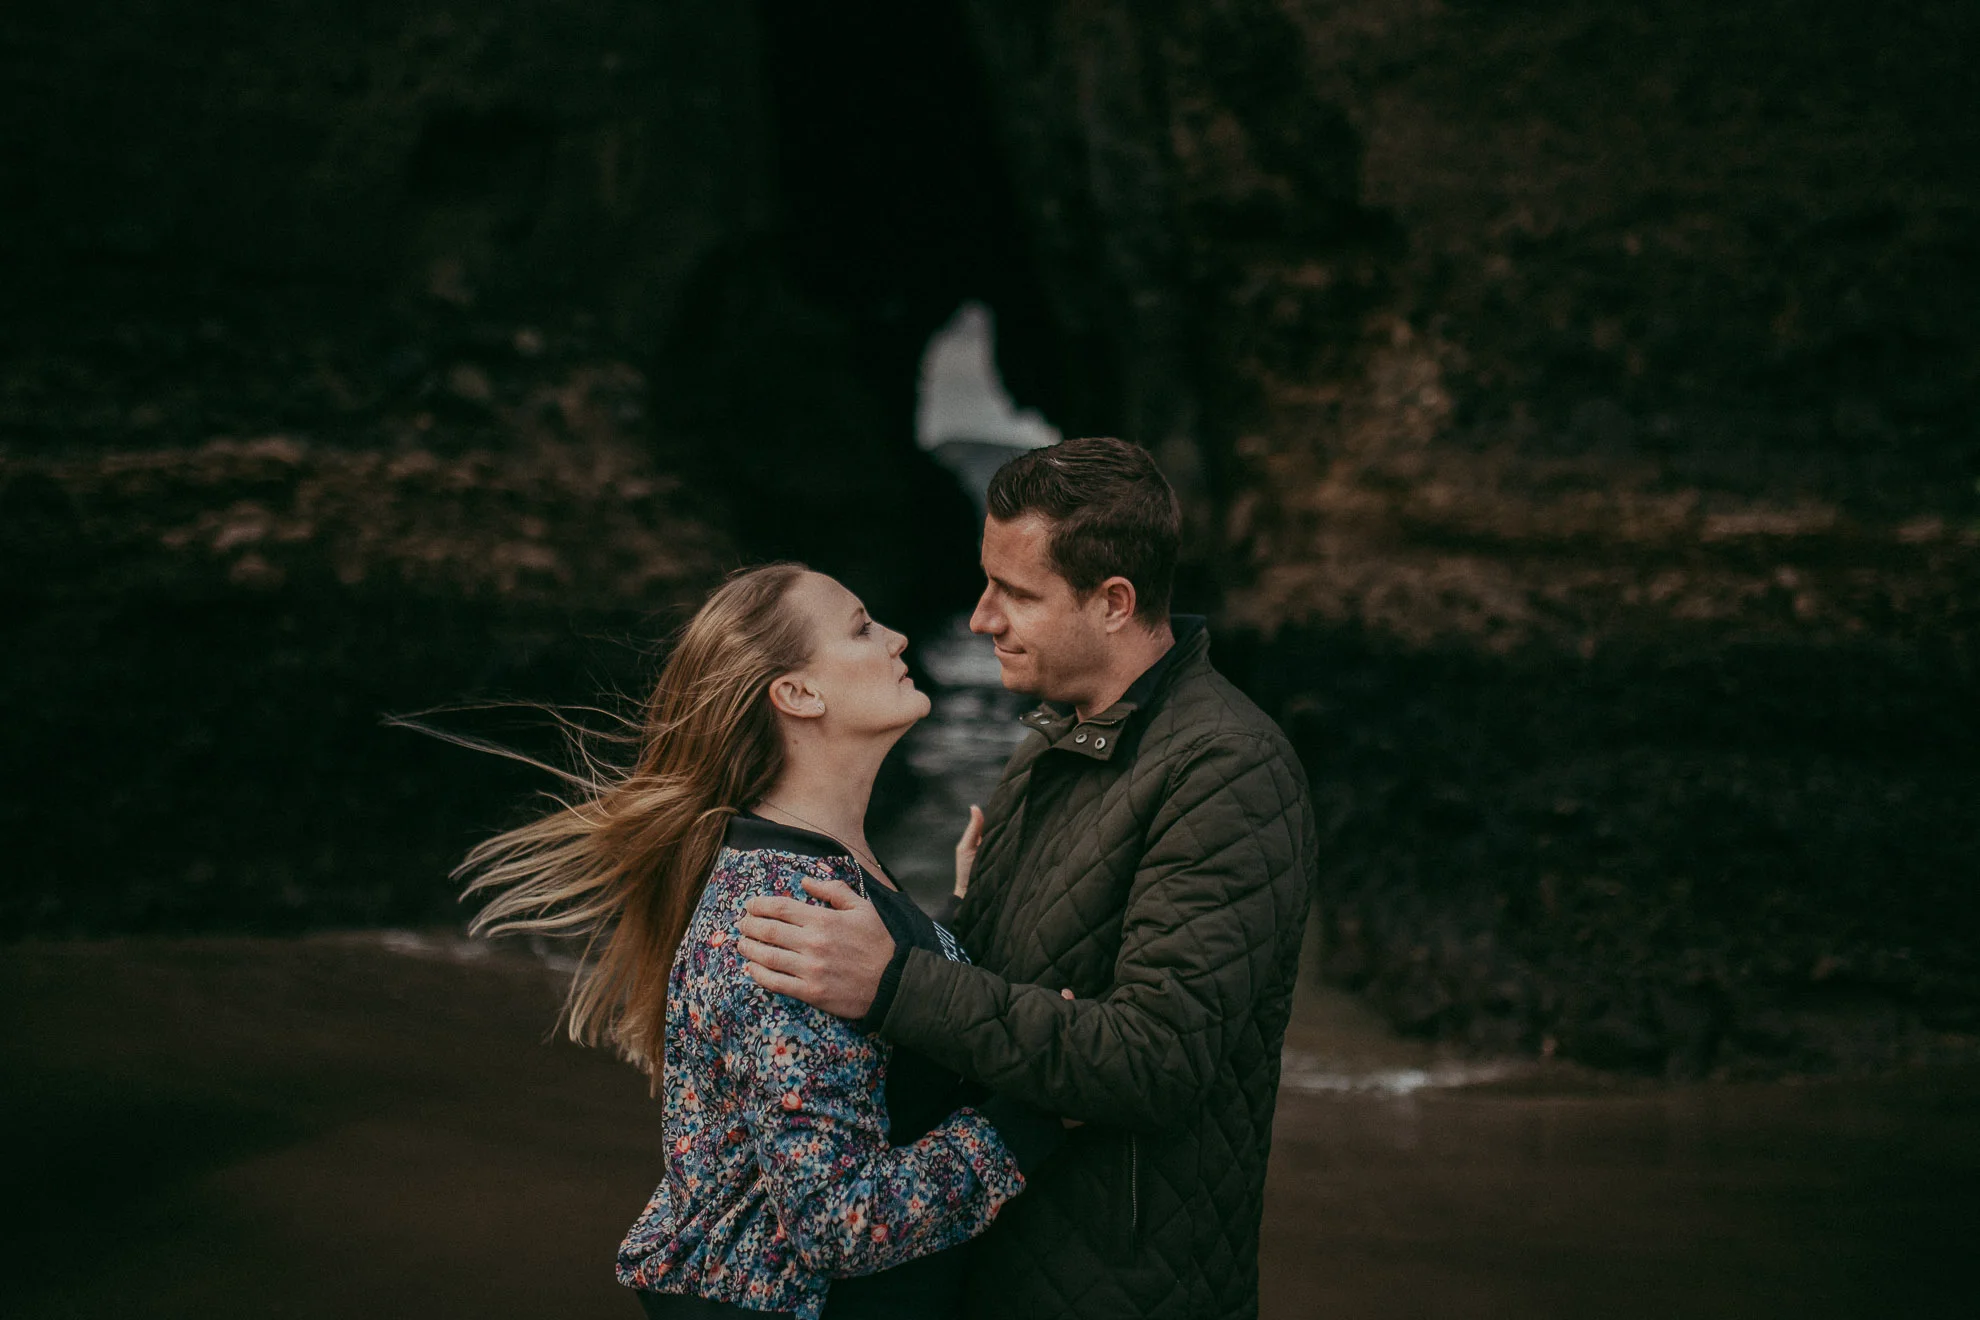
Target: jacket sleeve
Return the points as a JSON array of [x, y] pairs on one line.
[[1222, 887], [849, 1202]]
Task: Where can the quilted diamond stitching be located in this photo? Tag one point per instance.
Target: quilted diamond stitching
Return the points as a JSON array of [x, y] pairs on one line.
[[1201, 931]]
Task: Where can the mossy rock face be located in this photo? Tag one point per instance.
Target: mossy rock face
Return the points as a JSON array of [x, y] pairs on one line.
[[494, 156], [208, 639], [1683, 858]]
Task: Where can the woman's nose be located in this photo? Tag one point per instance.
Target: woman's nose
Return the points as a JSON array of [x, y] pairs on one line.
[[897, 642]]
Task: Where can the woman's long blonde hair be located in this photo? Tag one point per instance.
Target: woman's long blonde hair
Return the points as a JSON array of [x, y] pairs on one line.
[[624, 862]]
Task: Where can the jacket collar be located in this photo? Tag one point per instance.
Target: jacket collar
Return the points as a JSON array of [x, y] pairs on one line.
[[1099, 736]]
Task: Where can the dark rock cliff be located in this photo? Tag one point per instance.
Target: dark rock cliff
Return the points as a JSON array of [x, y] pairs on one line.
[[1579, 408], [1587, 397], [1182, 175], [523, 154], [326, 392], [1575, 404]]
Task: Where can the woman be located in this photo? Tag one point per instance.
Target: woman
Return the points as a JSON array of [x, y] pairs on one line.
[[802, 1154]]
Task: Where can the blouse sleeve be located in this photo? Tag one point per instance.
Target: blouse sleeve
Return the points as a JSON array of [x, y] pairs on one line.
[[848, 1201]]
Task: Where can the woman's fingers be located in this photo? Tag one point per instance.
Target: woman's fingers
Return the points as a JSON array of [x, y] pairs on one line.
[[1065, 994], [972, 834], [966, 846]]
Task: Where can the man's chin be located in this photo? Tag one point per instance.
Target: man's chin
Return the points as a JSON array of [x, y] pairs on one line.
[[1017, 678]]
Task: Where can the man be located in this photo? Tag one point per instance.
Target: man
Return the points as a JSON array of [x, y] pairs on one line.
[[1134, 914]]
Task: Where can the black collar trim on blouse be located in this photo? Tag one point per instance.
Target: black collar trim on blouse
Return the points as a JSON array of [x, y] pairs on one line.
[[747, 831]]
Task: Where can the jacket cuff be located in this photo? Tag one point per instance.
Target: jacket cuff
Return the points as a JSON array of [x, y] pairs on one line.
[[1028, 1132], [890, 988]]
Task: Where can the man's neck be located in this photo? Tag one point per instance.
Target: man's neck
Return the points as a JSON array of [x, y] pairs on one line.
[[1135, 654]]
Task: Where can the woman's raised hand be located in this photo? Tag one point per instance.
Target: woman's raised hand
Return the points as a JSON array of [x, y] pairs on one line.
[[966, 846]]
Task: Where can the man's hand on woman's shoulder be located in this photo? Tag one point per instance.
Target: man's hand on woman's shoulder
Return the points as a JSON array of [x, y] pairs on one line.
[[830, 957]]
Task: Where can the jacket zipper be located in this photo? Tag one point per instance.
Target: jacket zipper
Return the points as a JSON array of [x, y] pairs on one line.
[[1134, 1192]]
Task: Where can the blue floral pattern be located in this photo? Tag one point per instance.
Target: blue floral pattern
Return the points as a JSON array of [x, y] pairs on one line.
[[779, 1174]]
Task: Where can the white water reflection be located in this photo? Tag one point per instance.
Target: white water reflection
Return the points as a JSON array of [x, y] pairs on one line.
[[964, 417], [963, 398], [437, 946], [1301, 1071]]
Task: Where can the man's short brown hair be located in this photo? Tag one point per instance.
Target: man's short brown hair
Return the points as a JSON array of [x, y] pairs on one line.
[[1111, 510]]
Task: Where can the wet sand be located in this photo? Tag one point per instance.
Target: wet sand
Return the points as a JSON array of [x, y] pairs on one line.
[[376, 1125]]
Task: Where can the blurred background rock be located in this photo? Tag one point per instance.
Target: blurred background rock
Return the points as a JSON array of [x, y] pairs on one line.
[[1575, 405]]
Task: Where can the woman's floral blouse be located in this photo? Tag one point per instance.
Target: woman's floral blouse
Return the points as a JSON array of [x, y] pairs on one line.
[[779, 1175]]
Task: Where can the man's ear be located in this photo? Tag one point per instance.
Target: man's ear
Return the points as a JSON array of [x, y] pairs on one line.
[[792, 695], [1117, 602]]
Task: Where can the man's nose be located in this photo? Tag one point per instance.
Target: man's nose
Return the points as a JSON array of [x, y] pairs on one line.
[[985, 620]]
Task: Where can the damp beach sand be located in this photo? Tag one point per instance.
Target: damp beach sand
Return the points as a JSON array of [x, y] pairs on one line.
[[379, 1124]]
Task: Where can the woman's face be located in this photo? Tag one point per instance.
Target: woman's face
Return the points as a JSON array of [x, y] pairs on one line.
[[855, 670]]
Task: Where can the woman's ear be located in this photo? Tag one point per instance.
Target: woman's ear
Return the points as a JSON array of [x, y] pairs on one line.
[[792, 695]]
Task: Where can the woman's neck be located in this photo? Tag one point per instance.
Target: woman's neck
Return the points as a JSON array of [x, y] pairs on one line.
[[828, 793]]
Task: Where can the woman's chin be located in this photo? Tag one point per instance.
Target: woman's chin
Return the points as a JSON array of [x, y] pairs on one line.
[[914, 708]]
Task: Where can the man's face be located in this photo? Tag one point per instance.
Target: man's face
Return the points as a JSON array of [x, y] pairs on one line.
[[1049, 643]]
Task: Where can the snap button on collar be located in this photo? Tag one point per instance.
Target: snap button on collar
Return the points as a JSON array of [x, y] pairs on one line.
[[1099, 743], [1080, 737]]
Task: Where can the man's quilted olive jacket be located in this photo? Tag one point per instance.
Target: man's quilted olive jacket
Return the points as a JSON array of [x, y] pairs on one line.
[[1156, 859]]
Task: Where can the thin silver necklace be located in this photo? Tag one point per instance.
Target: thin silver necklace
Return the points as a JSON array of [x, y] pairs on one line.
[[862, 858]]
